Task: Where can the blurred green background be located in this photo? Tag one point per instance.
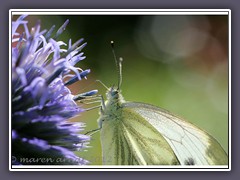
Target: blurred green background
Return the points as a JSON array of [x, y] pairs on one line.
[[179, 63]]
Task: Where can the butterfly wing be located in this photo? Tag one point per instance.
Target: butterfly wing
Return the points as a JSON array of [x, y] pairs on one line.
[[191, 145], [128, 139], [115, 149]]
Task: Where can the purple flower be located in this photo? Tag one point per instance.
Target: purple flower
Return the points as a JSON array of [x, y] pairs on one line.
[[41, 100]]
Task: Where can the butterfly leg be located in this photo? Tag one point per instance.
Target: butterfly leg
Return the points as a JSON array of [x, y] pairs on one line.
[[90, 133]]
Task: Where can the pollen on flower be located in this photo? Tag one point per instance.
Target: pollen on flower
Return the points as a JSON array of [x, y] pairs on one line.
[[41, 101]]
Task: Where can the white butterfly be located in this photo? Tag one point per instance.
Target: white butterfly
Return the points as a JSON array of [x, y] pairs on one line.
[[142, 134]]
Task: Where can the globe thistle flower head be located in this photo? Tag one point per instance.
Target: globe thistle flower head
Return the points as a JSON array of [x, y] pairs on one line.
[[42, 68]]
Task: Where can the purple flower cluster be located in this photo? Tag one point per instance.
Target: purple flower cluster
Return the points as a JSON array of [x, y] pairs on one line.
[[41, 101]]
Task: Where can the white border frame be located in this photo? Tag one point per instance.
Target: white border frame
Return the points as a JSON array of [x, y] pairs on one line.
[[121, 12]]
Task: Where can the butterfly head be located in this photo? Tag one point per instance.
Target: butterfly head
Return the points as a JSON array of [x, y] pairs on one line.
[[114, 98], [113, 93]]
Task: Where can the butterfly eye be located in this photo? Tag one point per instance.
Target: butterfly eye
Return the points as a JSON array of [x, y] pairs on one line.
[[114, 92]]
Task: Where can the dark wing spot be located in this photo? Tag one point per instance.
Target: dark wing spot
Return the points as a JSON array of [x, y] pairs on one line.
[[189, 161]]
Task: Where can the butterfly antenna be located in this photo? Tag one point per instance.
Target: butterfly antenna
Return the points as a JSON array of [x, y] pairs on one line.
[[118, 65], [120, 72]]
